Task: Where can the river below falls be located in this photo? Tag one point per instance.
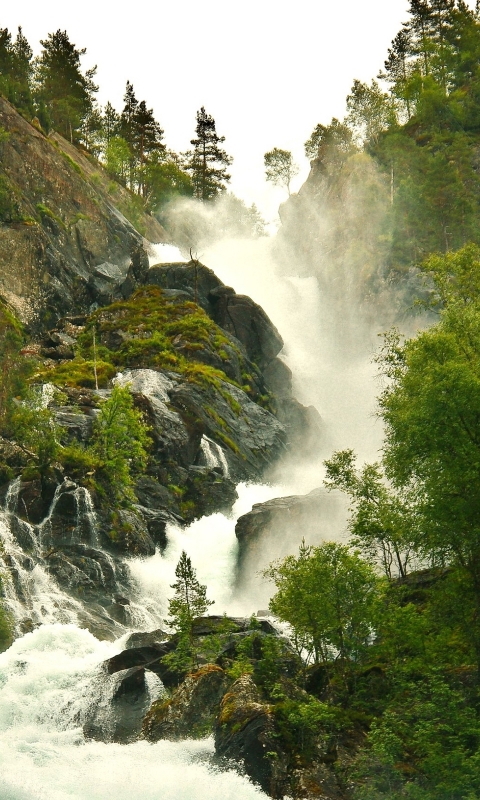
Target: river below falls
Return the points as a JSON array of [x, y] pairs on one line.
[[50, 678]]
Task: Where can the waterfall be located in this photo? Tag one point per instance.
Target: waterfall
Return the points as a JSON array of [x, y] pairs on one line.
[[214, 455]]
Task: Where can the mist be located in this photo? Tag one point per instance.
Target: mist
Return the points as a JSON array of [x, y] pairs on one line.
[[330, 301]]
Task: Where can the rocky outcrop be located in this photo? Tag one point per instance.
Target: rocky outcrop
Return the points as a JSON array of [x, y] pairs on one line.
[[68, 232], [189, 713], [275, 528], [237, 314], [245, 733], [118, 712]]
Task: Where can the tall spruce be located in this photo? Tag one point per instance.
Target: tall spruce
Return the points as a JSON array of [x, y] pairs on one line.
[[16, 69], [127, 124], [66, 92], [208, 163], [147, 139]]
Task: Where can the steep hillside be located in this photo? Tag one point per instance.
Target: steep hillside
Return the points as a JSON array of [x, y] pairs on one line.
[[60, 216]]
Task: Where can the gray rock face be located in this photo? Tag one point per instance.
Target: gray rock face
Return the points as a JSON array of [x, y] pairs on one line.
[[237, 314], [250, 437], [276, 528], [51, 265], [245, 732], [119, 711], [190, 712]]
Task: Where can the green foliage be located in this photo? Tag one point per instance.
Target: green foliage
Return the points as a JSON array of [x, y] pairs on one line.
[[330, 142], [207, 163], [280, 167], [80, 372], [189, 601], [383, 522], [426, 746], [302, 722], [6, 625], [120, 441], [15, 369], [34, 425], [16, 70], [327, 595], [67, 93], [152, 322], [431, 409], [9, 208]]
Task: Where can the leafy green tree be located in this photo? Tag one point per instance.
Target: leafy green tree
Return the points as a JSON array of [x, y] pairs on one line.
[[117, 159], [370, 111], [34, 426], [120, 441], [66, 91], [280, 167], [427, 733], [189, 601], [383, 521], [431, 408], [332, 142], [327, 595], [208, 162], [163, 179], [15, 369]]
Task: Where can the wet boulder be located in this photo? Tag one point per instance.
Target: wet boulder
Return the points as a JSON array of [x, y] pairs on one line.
[[126, 532], [245, 732], [191, 710], [118, 712]]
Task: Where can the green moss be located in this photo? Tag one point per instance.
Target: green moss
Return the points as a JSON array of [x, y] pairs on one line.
[[45, 211], [216, 417], [80, 372], [229, 443], [73, 163], [6, 627], [156, 326], [76, 218]]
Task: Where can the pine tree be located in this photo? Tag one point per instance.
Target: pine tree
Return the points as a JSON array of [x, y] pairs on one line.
[[190, 601], [127, 127], [16, 69], [396, 66], [421, 18], [146, 139], [66, 92], [110, 123], [208, 162]]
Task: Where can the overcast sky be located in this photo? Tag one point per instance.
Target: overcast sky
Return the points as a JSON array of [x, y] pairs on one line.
[[267, 71]]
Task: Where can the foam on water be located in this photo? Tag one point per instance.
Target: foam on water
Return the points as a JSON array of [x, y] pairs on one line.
[[211, 544], [46, 681]]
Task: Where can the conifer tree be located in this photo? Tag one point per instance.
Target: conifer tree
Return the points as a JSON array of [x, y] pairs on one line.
[[189, 601], [67, 92], [207, 163], [16, 69], [396, 66], [110, 123], [127, 122], [146, 140]]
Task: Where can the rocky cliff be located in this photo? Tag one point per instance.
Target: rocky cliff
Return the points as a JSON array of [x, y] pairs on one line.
[[61, 218]]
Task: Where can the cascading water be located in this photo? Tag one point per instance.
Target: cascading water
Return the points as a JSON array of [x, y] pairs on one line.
[[50, 679], [50, 684], [47, 684]]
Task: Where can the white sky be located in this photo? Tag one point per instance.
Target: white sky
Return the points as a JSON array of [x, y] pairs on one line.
[[267, 71]]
